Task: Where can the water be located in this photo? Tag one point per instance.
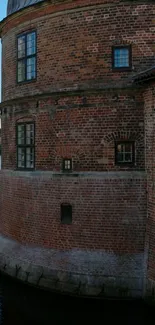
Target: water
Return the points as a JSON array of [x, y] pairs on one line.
[[24, 305]]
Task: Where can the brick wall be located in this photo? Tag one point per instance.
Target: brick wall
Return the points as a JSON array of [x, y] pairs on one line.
[[83, 128], [75, 45], [101, 253], [149, 99], [108, 210], [80, 108]]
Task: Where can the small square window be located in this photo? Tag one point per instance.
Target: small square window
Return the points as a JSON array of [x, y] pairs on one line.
[[66, 213], [124, 153], [122, 57], [67, 164]]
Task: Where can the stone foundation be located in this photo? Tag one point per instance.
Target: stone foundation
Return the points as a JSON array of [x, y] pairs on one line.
[[78, 272]]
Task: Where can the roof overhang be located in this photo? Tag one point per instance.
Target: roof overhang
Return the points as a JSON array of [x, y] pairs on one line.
[[21, 11], [14, 6]]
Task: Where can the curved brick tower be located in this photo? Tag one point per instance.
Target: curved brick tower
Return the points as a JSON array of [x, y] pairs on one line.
[[73, 181]]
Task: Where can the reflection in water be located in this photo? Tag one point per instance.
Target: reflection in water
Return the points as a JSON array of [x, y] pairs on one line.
[[24, 305]]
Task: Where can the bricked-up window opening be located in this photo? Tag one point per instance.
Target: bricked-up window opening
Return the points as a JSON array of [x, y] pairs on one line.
[[67, 164], [125, 153], [25, 146], [66, 213], [26, 53], [122, 57]]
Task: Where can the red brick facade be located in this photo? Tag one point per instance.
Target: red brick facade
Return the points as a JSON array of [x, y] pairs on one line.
[[83, 127], [149, 100], [80, 107]]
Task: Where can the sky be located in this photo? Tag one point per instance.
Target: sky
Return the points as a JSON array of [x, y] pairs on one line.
[[3, 4]]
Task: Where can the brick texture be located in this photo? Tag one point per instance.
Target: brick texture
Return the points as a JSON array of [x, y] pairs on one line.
[[83, 128], [149, 97], [108, 212], [74, 46], [80, 107]]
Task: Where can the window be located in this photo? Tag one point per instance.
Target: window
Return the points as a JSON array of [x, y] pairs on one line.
[[122, 57], [25, 146], [26, 54], [67, 164], [66, 213], [124, 153]]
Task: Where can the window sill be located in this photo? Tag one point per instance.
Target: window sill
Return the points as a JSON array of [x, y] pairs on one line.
[[131, 165], [26, 82], [25, 169], [122, 69]]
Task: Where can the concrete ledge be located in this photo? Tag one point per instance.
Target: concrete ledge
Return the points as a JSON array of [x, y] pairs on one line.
[[51, 174], [78, 272]]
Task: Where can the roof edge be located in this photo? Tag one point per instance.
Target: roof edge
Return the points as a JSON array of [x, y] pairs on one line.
[[20, 12], [15, 6]]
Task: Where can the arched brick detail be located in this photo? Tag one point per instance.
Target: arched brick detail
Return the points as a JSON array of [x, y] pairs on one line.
[[122, 135], [108, 144], [28, 118]]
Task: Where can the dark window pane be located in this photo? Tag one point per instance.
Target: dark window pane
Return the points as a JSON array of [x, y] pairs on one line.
[[120, 157], [31, 68], [21, 157], [21, 134], [124, 152], [128, 157], [21, 71], [128, 147], [21, 47], [30, 134], [121, 57], [120, 147], [29, 157], [31, 44]]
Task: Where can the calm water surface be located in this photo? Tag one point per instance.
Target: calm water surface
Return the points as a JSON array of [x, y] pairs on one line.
[[22, 305]]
